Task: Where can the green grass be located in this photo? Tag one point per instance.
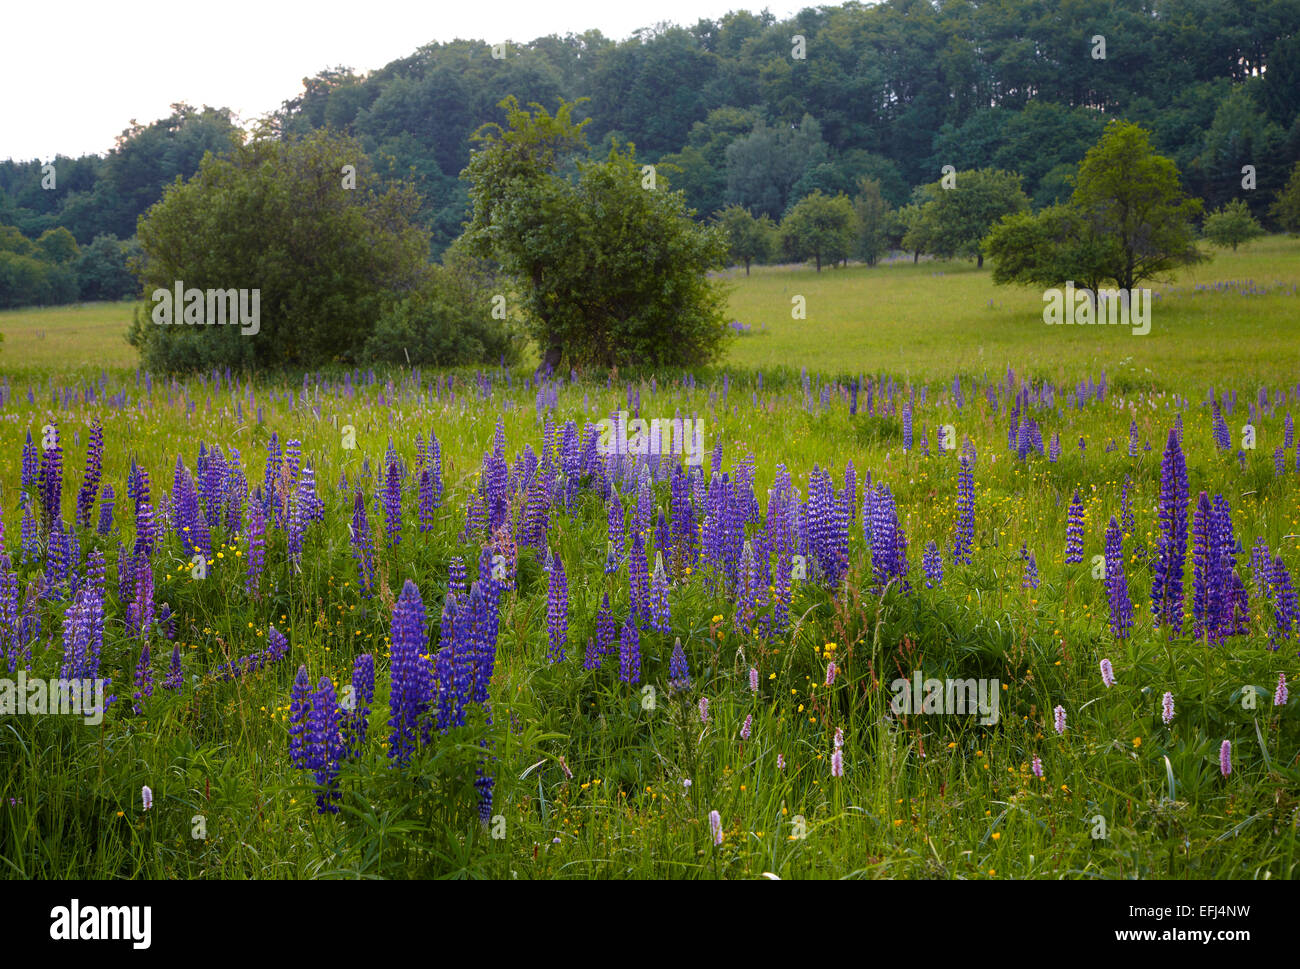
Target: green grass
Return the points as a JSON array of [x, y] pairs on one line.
[[66, 339], [921, 796], [933, 320]]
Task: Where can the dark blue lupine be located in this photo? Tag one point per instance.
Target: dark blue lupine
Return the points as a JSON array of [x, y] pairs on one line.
[[324, 746], [106, 510], [1074, 531], [679, 676], [1171, 547], [410, 679], [964, 538], [392, 496], [173, 680], [1121, 609], [1222, 439], [1284, 603], [1030, 579], [363, 545], [932, 563], [660, 618], [300, 697], [629, 653], [356, 720], [94, 470], [638, 580], [557, 612], [1127, 521], [426, 501]]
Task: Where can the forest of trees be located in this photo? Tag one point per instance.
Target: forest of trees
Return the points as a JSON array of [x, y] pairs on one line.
[[882, 96]]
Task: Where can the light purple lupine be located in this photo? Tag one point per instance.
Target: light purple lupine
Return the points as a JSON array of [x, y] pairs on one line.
[[715, 827], [704, 709], [747, 726], [1280, 695], [780, 761], [753, 679], [1167, 708], [837, 763], [1059, 713], [1225, 758], [1107, 674], [1038, 768], [830, 673]]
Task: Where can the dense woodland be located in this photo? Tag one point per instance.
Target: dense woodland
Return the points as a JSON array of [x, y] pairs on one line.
[[731, 115]]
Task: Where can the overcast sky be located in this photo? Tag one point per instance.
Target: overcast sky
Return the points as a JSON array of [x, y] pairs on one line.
[[73, 75]]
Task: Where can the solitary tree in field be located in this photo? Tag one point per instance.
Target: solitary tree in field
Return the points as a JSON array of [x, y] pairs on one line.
[[1127, 220], [1231, 226], [1286, 209], [749, 239], [609, 268], [819, 227]]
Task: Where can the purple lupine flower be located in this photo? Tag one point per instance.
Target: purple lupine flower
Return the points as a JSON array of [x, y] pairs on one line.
[[356, 720], [392, 496], [1284, 603], [1074, 531], [660, 618], [1261, 568], [964, 538], [435, 469], [591, 658], [753, 679], [426, 501], [49, 480], [1167, 708], [146, 797], [1059, 714], [837, 763], [410, 680], [1171, 553], [94, 470], [1280, 694], [704, 709], [629, 653], [557, 612], [106, 511], [1121, 609], [1107, 673], [831, 670], [1030, 580], [457, 576], [746, 592], [1225, 758], [1222, 439], [780, 761], [29, 465], [679, 677], [1126, 519], [174, 679], [324, 746], [299, 707], [932, 564], [638, 580], [715, 827], [747, 726]]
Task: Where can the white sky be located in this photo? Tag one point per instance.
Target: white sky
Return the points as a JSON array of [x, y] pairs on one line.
[[73, 75]]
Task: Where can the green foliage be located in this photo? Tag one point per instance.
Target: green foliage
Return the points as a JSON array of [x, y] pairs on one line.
[[1286, 207], [953, 221], [608, 269], [36, 273], [1231, 225], [873, 216], [750, 239], [764, 167], [104, 269], [1127, 220], [820, 228], [275, 217]]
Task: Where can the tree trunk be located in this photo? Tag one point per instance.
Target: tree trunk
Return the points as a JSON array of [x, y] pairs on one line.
[[550, 361], [746, 267], [979, 260], [819, 262]]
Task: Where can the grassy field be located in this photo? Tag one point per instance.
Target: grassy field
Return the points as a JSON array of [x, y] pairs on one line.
[[594, 776]]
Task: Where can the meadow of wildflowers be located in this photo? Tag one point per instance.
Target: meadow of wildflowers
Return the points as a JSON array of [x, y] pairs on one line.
[[412, 624]]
